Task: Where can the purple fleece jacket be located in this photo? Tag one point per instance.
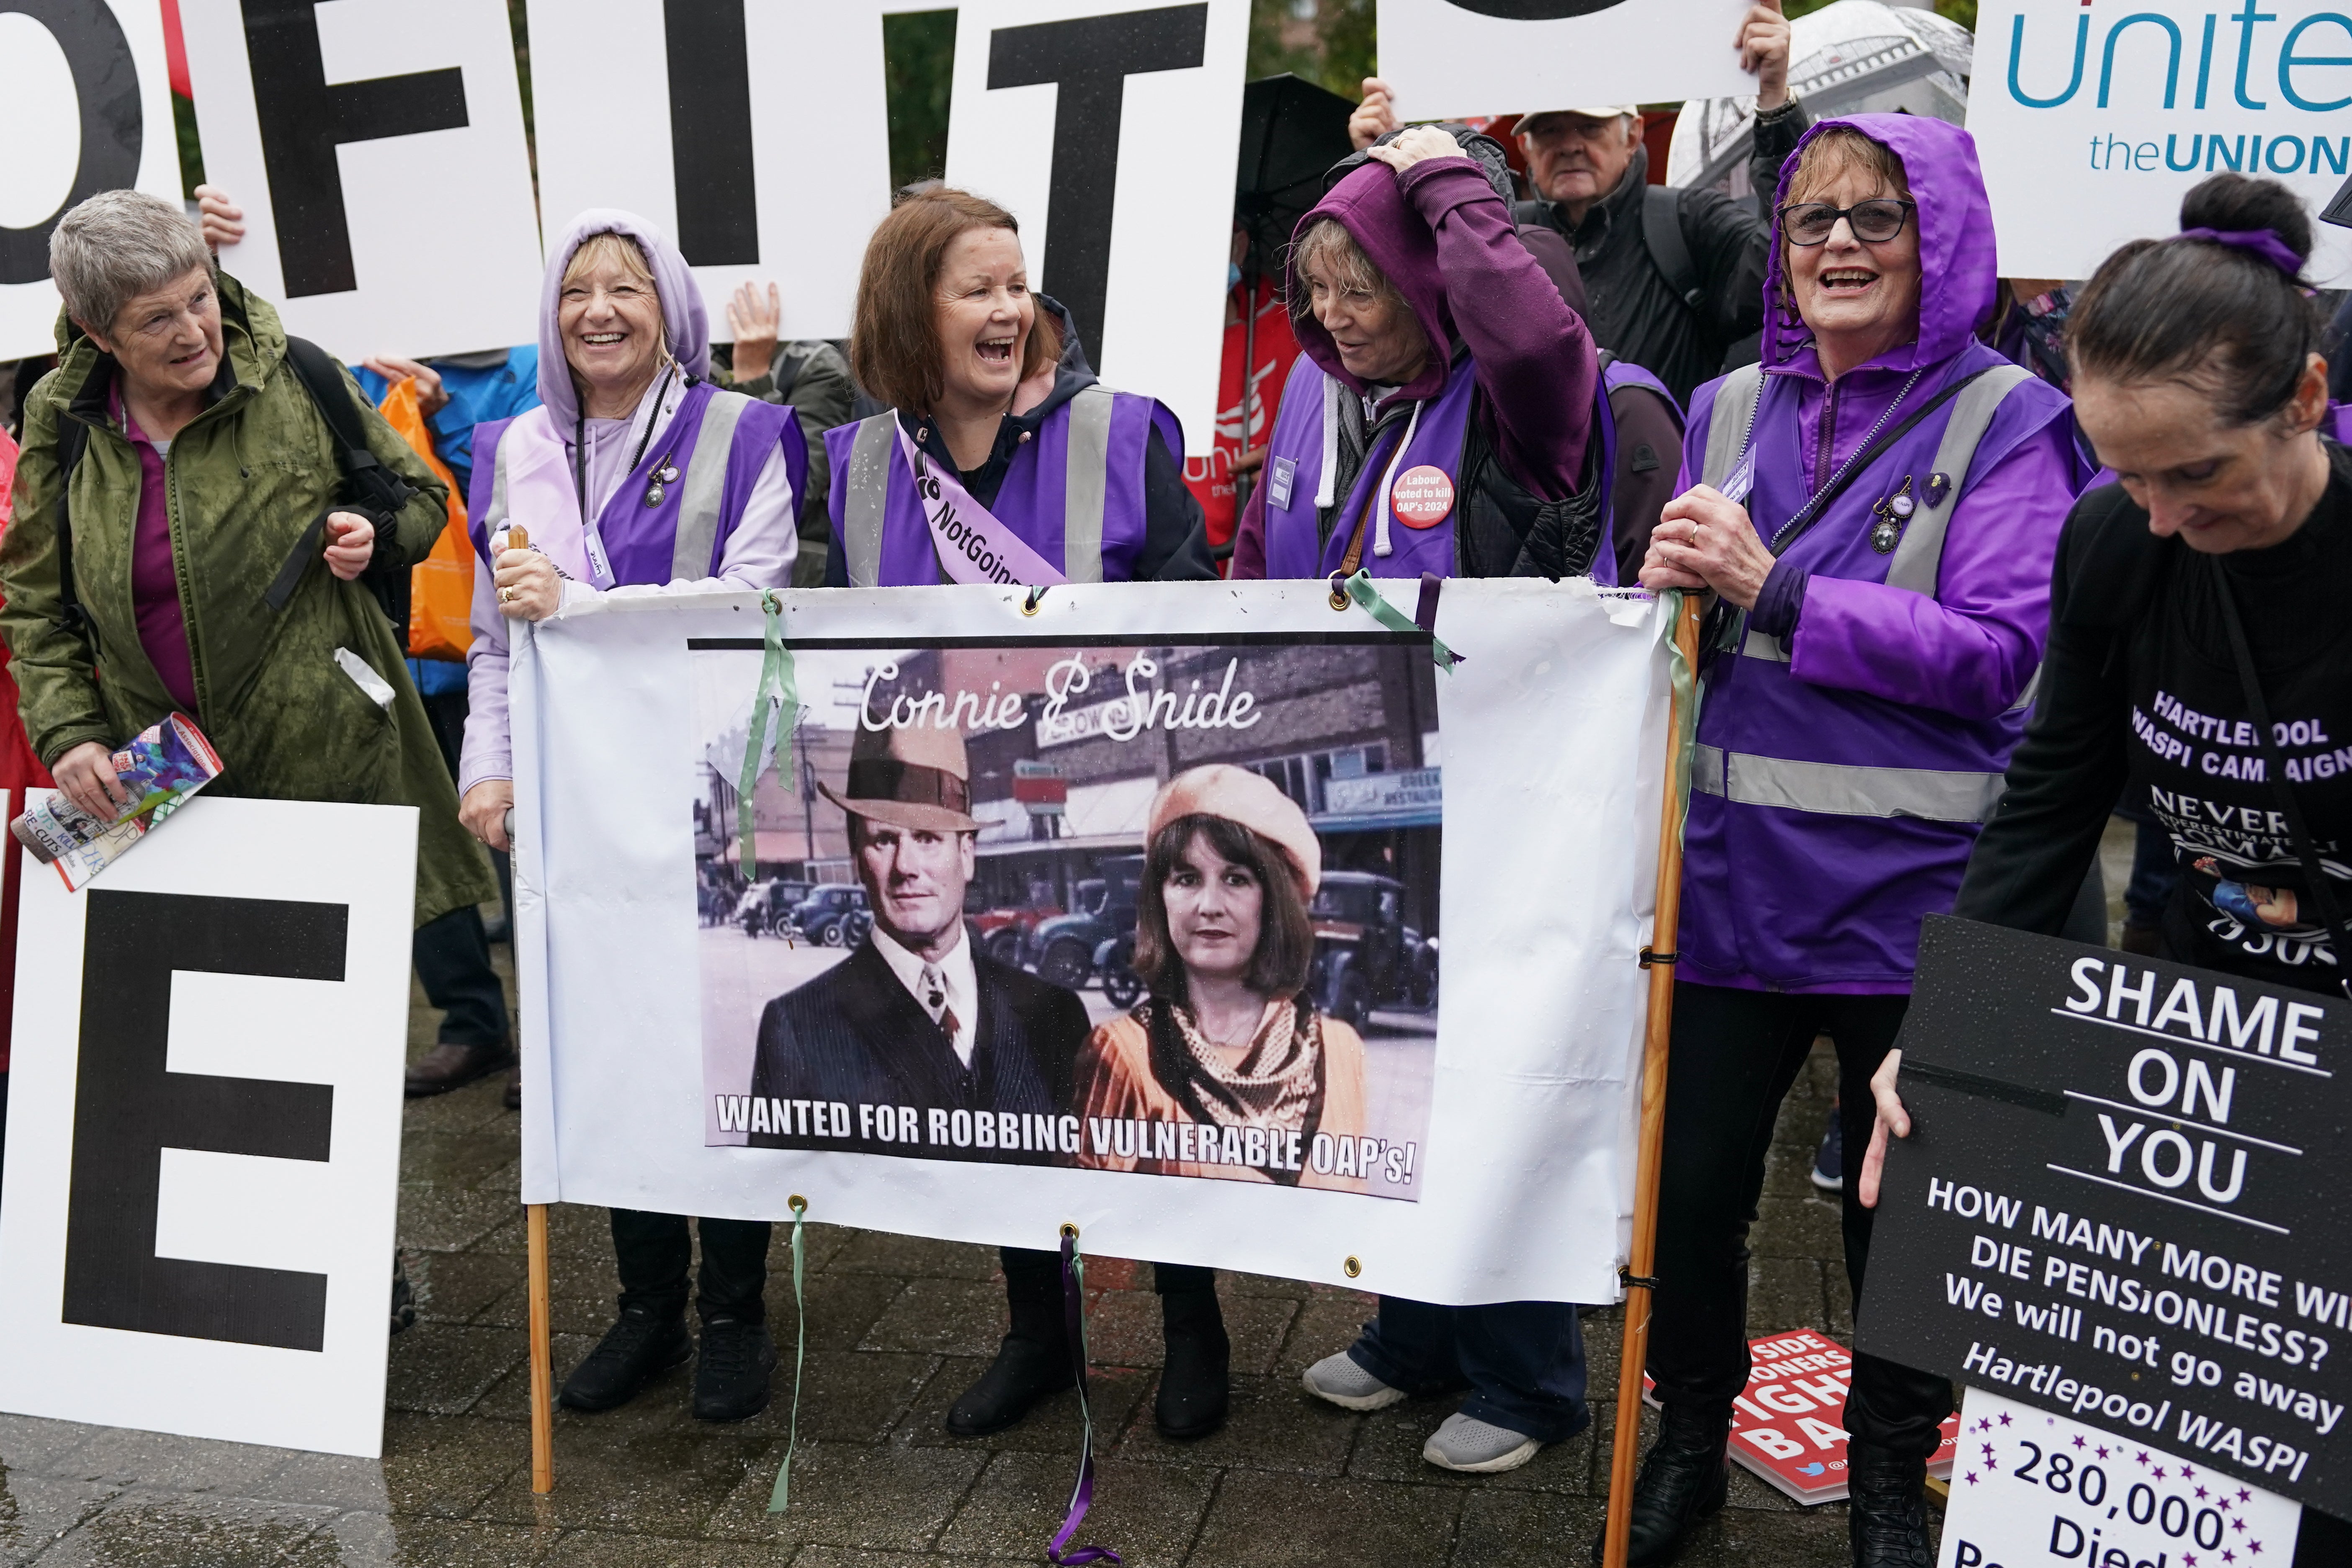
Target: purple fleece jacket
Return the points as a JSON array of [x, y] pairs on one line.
[[1443, 236]]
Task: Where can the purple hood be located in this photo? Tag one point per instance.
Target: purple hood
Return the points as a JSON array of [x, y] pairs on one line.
[[1371, 205], [1959, 279], [681, 301]]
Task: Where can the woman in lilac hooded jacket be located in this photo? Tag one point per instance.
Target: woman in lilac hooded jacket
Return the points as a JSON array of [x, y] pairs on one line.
[[1876, 506], [635, 476]]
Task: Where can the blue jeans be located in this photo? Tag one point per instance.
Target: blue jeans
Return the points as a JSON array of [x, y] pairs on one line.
[[1524, 1360]]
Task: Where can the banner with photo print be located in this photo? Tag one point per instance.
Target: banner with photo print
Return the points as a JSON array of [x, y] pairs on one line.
[[966, 923]]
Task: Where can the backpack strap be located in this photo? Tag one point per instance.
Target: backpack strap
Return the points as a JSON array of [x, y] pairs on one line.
[[73, 439], [1661, 235], [368, 485]]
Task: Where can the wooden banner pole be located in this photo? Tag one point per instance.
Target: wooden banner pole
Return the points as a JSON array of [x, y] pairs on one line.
[[1664, 936], [543, 1372]]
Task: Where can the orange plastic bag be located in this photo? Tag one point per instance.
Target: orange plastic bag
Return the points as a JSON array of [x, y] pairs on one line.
[[441, 591]]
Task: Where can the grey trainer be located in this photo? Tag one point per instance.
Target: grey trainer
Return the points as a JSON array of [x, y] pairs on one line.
[[1339, 1379], [1466, 1442]]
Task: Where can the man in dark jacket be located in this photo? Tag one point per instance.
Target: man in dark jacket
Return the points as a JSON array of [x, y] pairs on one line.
[[1674, 278], [916, 1044]]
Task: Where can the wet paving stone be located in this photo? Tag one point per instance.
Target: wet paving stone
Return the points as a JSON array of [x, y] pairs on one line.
[[898, 1328]]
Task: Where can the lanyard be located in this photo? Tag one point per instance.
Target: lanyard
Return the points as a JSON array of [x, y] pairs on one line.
[[590, 534]]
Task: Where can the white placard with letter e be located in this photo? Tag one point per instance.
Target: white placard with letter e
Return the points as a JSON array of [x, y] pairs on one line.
[[203, 1129]]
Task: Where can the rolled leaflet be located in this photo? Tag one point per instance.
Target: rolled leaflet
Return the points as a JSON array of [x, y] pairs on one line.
[[160, 768]]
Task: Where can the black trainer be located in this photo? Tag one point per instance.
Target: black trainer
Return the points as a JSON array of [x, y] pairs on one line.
[[1886, 1516], [636, 1350], [730, 1376], [1194, 1385], [1684, 1477]]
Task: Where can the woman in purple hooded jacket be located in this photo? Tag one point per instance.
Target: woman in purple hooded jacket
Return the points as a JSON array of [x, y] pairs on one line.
[[635, 476], [1876, 506]]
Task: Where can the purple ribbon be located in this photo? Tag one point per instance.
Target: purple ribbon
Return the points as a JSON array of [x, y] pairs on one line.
[[2262, 242], [1082, 1496]]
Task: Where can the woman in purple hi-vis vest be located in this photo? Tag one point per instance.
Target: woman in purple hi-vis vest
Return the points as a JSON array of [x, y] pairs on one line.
[[1078, 479], [1876, 507], [1447, 414], [635, 476]]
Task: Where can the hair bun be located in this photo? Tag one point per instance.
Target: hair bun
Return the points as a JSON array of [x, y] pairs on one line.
[[2235, 201]]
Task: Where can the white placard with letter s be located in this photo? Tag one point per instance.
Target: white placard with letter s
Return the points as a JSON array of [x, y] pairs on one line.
[[756, 185], [84, 107], [2031, 1488], [1109, 128], [377, 149], [2093, 123], [203, 1129], [1454, 58]]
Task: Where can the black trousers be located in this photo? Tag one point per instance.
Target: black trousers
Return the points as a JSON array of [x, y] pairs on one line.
[[654, 1252], [1735, 1055], [453, 963]]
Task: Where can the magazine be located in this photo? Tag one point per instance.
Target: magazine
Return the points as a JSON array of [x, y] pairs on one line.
[[161, 767]]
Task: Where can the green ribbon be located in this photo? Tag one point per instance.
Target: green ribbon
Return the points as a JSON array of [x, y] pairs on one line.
[[1683, 682], [780, 1499], [1360, 588], [779, 691]]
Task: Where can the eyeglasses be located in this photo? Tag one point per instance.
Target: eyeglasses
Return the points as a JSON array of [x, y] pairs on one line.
[[1873, 222]]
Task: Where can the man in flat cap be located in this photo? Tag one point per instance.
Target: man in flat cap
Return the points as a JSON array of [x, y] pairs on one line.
[[916, 1044]]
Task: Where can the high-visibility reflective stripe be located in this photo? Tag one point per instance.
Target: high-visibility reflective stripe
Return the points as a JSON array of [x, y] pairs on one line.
[[1764, 646], [496, 518], [866, 498], [1835, 789], [1727, 427], [705, 487], [1086, 476], [1920, 556]]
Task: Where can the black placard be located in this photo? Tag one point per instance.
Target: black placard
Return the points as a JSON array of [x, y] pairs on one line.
[[303, 121], [710, 131], [1091, 59], [113, 127], [1535, 10], [2122, 1199], [128, 1109]]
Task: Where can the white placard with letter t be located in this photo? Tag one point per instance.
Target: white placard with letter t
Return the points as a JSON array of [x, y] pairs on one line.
[[203, 1129]]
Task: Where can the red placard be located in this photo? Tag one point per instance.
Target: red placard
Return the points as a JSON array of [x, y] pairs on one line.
[[1785, 1428]]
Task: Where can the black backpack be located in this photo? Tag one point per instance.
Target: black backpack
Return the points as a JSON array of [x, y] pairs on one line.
[[369, 488]]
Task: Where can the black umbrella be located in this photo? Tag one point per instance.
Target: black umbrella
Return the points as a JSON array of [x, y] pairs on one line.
[[1292, 130]]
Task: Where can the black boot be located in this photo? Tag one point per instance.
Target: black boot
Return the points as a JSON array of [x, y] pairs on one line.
[[1682, 1480], [633, 1351], [1194, 1383], [730, 1377], [1886, 1518], [1035, 1359]]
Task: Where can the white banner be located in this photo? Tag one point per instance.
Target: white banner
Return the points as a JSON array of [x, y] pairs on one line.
[[377, 149], [680, 1057], [84, 107], [1110, 132], [1453, 58], [203, 1128], [753, 135], [2092, 125]]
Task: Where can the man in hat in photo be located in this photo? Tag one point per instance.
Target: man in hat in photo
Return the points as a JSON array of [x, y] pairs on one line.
[[917, 1021]]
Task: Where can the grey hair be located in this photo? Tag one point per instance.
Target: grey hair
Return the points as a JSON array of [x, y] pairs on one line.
[[1330, 242], [117, 246]]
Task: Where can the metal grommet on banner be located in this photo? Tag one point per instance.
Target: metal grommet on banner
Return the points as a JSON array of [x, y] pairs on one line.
[[797, 1204], [1352, 1267], [1037, 596], [1339, 595], [1070, 1231]]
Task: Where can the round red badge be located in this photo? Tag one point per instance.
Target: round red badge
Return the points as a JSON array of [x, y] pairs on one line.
[[1422, 496]]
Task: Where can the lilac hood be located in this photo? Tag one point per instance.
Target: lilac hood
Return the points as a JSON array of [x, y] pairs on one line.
[[1370, 204], [683, 320], [1958, 277]]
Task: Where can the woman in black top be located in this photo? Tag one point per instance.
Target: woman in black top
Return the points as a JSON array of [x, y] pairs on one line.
[[2196, 602]]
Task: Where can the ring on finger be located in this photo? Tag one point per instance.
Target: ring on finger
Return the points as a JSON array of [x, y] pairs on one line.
[[507, 596]]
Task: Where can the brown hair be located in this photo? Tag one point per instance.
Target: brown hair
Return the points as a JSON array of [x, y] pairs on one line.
[[1821, 159], [1285, 937], [894, 342]]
